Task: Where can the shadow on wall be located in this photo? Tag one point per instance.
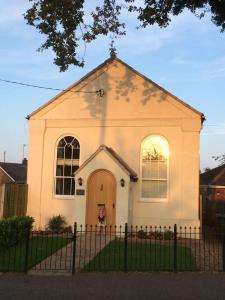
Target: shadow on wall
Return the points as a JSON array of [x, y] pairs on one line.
[[127, 86], [124, 85]]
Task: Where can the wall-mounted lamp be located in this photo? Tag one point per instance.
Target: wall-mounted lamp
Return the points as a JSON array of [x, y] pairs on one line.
[[80, 181], [122, 182]]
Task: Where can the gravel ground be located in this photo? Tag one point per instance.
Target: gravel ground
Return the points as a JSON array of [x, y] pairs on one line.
[[114, 286]]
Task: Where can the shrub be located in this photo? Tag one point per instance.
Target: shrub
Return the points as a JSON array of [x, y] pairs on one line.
[[68, 229], [156, 235], [168, 235], [56, 224], [13, 230], [141, 234]]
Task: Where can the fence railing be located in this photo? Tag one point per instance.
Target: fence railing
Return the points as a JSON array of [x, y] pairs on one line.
[[212, 211], [116, 248]]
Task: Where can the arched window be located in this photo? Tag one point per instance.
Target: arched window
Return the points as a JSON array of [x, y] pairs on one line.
[[67, 162], [154, 168]]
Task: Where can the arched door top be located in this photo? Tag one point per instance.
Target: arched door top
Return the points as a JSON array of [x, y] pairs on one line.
[[101, 192]]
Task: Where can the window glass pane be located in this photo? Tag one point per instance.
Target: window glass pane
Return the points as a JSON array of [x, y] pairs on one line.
[[154, 170], [154, 189], [60, 152], [67, 171], [59, 186], [69, 139], [72, 186], [75, 144], [62, 143], [76, 153], [149, 189], [68, 151], [146, 155], [59, 170], [68, 154], [157, 146], [162, 169], [162, 190], [146, 169], [68, 186], [155, 153]]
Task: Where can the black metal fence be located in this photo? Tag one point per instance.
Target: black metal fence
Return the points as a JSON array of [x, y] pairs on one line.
[[213, 214], [116, 248]]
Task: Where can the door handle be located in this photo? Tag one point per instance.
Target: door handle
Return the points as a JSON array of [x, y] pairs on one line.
[[113, 205]]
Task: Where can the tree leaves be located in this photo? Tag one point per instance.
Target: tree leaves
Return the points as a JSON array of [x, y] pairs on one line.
[[59, 21], [62, 22]]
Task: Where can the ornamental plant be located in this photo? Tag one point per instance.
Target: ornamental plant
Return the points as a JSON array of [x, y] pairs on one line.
[[56, 224]]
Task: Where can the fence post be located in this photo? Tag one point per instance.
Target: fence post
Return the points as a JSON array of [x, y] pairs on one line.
[[175, 249], [74, 247], [28, 229], [125, 248]]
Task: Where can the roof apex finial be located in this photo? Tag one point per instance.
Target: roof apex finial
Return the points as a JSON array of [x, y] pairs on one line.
[[112, 50], [113, 54]]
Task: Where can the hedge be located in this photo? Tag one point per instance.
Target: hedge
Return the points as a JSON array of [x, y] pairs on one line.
[[13, 230]]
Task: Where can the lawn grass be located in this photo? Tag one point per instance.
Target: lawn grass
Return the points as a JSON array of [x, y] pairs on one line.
[[40, 247], [141, 257]]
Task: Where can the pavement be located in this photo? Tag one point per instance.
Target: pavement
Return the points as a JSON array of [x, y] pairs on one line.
[[123, 286], [88, 246]]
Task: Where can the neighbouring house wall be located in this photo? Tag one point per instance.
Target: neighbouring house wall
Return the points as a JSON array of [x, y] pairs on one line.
[[130, 110], [216, 193]]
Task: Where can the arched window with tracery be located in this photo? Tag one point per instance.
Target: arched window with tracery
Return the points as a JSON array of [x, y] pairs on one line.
[[67, 162], [154, 168]]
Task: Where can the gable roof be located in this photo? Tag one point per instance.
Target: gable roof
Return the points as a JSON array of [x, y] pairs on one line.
[[215, 176], [106, 62], [17, 172], [113, 155]]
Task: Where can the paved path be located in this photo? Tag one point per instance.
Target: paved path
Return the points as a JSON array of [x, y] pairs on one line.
[[153, 286], [61, 261]]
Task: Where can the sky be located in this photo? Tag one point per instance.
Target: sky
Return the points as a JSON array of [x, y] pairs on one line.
[[187, 58]]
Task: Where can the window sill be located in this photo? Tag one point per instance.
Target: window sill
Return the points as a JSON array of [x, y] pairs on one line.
[[154, 200], [64, 197]]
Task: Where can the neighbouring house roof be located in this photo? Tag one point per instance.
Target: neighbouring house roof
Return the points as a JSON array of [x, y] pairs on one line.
[[214, 176], [106, 62], [115, 156], [17, 172]]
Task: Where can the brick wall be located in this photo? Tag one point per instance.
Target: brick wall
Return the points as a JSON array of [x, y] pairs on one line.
[[4, 178], [217, 194]]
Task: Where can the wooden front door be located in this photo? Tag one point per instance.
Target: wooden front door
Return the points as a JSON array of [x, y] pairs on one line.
[[101, 192]]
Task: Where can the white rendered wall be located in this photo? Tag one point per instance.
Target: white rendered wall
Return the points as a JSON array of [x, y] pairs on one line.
[[131, 109]]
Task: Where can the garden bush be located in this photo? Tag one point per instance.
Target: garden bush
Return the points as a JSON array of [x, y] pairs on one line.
[[141, 234], [13, 230], [68, 229], [56, 224], [168, 235], [156, 235]]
